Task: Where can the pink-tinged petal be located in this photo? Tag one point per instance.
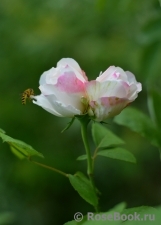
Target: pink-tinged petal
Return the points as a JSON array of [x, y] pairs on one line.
[[121, 74], [67, 92], [112, 73], [107, 74], [107, 107], [71, 64], [111, 101], [112, 91], [115, 106], [126, 85], [69, 83], [65, 98], [63, 88]]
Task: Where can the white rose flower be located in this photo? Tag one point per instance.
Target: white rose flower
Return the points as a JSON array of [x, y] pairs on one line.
[[62, 89], [111, 92]]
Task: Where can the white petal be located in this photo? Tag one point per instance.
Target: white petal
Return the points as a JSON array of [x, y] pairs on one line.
[[42, 101], [131, 77], [73, 99], [48, 77], [43, 78], [52, 105], [97, 90], [134, 90], [63, 109], [139, 87]]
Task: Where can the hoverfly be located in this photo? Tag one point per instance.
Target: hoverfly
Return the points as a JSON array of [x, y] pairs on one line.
[[27, 95]]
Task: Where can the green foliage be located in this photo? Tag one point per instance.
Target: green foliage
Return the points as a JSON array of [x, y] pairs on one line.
[[83, 186], [103, 137], [140, 123], [107, 145], [106, 140], [145, 213], [118, 208], [20, 148], [118, 153]]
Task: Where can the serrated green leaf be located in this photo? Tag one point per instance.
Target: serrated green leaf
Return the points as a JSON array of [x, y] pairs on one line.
[[118, 153], [103, 137], [27, 150], [17, 153], [83, 186], [2, 131], [140, 123], [82, 157], [20, 146]]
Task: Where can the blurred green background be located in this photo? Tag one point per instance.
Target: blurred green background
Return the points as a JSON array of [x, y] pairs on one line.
[[34, 36]]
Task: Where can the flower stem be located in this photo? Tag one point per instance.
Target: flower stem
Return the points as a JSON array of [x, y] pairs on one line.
[[87, 148], [49, 168], [84, 124]]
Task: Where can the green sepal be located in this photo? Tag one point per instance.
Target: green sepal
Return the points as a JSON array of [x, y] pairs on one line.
[[68, 125]]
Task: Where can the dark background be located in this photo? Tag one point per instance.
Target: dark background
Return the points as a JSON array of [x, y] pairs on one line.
[[34, 36]]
